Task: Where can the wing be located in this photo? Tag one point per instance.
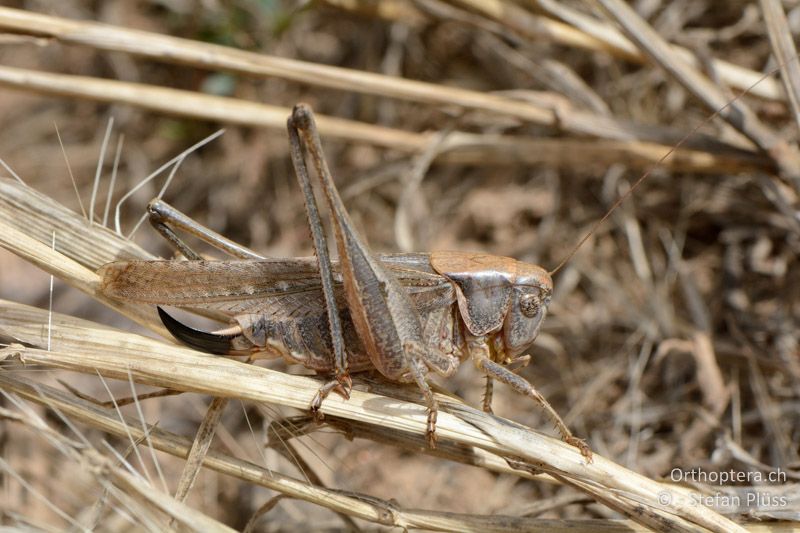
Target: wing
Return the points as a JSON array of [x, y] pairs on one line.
[[199, 282], [276, 287]]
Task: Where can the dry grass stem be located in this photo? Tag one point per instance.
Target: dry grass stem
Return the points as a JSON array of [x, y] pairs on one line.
[[165, 48], [735, 113], [459, 147], [26, 219], [131, 490], [780, 35], [200, 447], [361, 506], [171, 49], [80, 346], [506, 127], [567, 26], [615, 42], [84, 347]]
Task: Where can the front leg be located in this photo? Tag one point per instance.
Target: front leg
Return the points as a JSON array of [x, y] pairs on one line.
[[498, 354], [481, 356]]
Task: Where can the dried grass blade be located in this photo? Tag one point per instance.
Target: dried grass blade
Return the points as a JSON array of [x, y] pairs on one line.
[[735, 113], [127, 487], [76, 275], [117, 354], [200, 446], [174, 444], [186, 516], [191, 104], [205, 55], [357, 505], [731, 74], [27, 222], [780, 36], [210, 56], [38, 216]]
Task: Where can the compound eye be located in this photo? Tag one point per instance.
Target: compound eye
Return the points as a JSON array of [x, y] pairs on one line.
[[530, 304]]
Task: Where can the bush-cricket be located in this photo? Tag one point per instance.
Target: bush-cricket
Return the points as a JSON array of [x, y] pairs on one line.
[[402, 314]]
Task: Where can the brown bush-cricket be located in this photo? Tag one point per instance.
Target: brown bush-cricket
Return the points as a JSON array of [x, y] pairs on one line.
[[402, 314]]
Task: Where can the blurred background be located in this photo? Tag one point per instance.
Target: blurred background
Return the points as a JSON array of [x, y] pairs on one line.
[[672, 340]]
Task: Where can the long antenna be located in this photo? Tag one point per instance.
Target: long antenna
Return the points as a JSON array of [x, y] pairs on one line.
[[656, 165]]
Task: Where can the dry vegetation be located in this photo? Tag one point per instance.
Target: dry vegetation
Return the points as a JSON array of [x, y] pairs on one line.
[[672, 341]]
